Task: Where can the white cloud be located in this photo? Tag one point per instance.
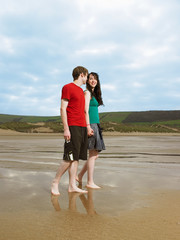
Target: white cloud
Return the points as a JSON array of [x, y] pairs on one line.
[[101, 50], [32, 77], [102, 5], [109, 87], [6, 45], [135, 65], [118, 101], [12, 97], [154, 52], [137, 84], [173, 94], [177, 80], [24, 7], [146, 55], [55, 71]]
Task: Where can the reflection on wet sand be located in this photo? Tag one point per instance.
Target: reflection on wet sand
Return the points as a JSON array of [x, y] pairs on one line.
[[86, 201], [55, 202]]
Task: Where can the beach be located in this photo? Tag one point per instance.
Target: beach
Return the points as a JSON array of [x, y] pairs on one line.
[[139, 175]]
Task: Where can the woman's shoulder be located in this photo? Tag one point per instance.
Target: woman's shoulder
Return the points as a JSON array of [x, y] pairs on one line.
[[87, 92]]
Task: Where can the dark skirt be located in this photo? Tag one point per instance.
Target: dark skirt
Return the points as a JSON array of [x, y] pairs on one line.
[[96, 141]]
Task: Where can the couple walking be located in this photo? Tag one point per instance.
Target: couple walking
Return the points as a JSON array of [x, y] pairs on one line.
[[80, 117]]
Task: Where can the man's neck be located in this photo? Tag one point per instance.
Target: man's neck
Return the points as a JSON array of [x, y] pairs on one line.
[[78, 82]]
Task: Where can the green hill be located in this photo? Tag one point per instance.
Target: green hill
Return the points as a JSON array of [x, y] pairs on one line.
[[152, 116], [4, 118], [146, 121], [116, 117]]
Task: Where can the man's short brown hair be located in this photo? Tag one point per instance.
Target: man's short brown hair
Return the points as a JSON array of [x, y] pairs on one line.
[[77, 71]]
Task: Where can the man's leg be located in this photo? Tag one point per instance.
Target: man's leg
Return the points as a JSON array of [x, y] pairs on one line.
[[83, 154], [61, 170], [72, 178]]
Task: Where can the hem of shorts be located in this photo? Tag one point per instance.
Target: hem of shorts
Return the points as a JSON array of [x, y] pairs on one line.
[[77, 126], [99, 150], [67, 160], [84, 159]]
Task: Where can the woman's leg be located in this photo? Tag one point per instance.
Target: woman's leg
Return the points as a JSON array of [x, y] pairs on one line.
[[93, 155], [81, 173]]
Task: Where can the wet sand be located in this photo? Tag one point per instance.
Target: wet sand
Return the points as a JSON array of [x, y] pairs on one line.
[[139, 199]]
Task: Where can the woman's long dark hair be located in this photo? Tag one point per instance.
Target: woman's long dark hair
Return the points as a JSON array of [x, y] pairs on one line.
[[97, 90]]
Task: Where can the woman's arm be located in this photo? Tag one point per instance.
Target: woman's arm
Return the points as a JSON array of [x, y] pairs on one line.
[[87, 96]]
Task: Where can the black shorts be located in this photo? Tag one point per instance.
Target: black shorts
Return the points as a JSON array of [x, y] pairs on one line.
[[76, 148]]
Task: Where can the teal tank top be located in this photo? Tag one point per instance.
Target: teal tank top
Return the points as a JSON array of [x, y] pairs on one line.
[[93, 111]]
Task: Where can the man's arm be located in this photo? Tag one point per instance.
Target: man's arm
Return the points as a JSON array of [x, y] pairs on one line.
[[64, 104]]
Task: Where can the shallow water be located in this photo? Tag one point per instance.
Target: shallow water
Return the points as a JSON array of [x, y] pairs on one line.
[[129, 171]]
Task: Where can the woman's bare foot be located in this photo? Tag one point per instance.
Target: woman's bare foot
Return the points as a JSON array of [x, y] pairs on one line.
[[93, 186], [76, 189], [55, 189]]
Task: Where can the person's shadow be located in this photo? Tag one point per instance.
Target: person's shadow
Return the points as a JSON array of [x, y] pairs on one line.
[[86, 201]]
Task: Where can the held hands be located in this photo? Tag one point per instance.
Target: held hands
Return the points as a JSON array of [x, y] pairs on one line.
[[67, 135], [90, 131]]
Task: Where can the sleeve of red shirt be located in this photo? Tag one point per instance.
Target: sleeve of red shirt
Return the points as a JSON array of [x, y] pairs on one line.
[[65, 93]]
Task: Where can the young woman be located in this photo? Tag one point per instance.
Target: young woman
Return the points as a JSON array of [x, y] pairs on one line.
[[93, 100]]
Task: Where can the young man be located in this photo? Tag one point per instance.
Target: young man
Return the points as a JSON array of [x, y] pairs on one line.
[[75, 131]]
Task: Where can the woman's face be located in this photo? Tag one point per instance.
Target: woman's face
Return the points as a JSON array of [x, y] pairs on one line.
[[92, 81]]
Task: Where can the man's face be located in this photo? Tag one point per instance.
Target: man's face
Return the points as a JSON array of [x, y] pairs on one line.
[[84, 78]]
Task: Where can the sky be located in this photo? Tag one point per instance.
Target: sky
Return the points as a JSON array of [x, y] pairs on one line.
[[134, 46]]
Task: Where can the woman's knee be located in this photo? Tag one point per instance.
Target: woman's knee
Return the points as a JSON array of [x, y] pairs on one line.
[[96, 156], [93, 154]]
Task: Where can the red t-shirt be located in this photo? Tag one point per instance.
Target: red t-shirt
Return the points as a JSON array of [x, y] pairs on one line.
[[76, 104]]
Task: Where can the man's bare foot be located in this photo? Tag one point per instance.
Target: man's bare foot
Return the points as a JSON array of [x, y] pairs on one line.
[[78, 179], [93, 186], [55, 189], [76, 189]]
